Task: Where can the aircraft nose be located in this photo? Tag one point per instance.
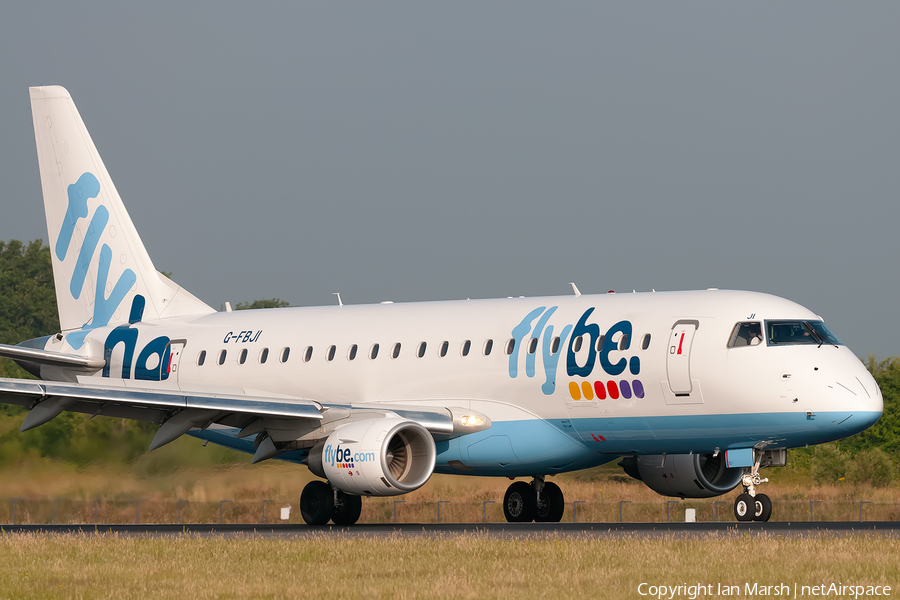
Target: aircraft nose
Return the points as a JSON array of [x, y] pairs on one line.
[[864, 399]]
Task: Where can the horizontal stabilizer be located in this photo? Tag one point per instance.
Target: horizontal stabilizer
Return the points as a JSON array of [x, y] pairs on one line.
[[50, 358]]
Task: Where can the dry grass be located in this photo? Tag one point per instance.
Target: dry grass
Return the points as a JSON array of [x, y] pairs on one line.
[[60, 490], [467, 566]]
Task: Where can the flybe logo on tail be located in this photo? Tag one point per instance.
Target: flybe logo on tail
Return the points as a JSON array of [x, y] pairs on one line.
[[153, 359], [584, 347], [79, 192]]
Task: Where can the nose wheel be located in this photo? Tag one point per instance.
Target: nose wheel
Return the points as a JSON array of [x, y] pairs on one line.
[[751, 506]]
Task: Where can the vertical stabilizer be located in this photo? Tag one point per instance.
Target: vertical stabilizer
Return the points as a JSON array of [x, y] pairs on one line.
[[100, 266]]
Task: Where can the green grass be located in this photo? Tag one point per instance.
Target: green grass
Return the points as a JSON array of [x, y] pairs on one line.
[[465, 566]]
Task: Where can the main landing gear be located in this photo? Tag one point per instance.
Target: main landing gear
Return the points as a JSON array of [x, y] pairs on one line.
[[320, 503], [751, 506], [535, 501]]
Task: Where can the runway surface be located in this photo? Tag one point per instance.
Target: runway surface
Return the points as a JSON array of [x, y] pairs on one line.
[[501, 530]]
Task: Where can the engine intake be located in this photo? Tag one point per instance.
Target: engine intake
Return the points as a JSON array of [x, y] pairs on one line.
[[684, 475], [376, 457]]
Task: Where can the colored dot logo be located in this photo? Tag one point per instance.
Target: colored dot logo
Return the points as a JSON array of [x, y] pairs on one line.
[[611, 389]]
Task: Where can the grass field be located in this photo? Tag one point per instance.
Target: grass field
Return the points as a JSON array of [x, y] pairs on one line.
[[53, 491], [467, 566]]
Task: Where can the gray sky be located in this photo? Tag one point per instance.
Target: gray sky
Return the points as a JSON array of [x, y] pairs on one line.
[[419, 151]]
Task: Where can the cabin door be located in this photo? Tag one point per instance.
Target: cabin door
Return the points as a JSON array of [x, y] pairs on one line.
[[678, 357], [176, 348]]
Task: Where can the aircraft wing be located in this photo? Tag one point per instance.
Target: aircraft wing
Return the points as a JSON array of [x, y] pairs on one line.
[[282, 419]]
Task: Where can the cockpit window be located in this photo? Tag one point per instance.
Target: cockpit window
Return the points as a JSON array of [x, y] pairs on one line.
[[746, 334], [781, 333], [826, 334]]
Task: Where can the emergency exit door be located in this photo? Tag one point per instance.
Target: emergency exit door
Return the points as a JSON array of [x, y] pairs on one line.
[[678, 359]]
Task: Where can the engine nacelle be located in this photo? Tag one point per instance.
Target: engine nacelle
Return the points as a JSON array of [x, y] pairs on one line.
[[376, 457], [684, 475]]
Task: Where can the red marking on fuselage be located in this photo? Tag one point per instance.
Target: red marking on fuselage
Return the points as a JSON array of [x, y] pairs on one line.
[[680, 342], [598, 439]]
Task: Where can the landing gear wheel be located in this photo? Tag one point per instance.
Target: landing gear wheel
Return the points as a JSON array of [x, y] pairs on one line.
[[317, 503], [550, 504], [763, 508], [743, 507], [520, 503], [347, 510]]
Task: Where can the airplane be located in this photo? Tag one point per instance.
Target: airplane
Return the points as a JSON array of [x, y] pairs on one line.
[[693, 392]]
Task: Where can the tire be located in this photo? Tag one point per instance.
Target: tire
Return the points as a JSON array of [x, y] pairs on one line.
[[347, 513], [742, 507], [519, 503], [317, 503], [763, 508], [551, 504]]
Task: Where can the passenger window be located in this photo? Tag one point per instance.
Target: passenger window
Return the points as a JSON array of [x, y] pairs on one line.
[[554, 347], [600, 342], [421, 351], [263, 356], [444, 347], [373, 352], [202, 358], [745, 334], [243, 357], [396, 351], [330, 355], [623, 342], [308, 354], [576, 346], [222, 355], [645, 343], [532, 346], [510, 346], [352, 353], [488, 346], [465, 348], [285, 353]]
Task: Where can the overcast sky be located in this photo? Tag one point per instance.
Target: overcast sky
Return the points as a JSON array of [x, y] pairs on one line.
[[420, 151]]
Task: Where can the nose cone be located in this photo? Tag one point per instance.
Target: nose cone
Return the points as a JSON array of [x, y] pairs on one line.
[[863, 399]]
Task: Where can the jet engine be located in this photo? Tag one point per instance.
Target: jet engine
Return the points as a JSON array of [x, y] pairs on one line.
[[684, 475], [376, 457]]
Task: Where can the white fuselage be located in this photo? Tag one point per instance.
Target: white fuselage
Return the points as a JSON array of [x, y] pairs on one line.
[[674, 386]]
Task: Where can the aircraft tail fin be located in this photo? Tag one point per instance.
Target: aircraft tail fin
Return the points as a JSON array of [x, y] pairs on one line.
[[102, 271]]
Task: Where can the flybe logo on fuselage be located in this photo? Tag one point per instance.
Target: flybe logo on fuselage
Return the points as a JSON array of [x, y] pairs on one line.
[[152, 361], [583, 346]]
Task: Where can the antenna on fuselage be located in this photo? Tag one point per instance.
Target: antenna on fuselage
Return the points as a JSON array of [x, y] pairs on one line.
[[575, 288], [338, 294]]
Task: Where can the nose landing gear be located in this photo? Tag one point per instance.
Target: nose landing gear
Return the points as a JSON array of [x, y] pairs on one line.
[[750, 505], [537, 501]]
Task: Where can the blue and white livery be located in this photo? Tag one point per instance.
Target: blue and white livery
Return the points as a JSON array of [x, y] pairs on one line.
[[693, 392]]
